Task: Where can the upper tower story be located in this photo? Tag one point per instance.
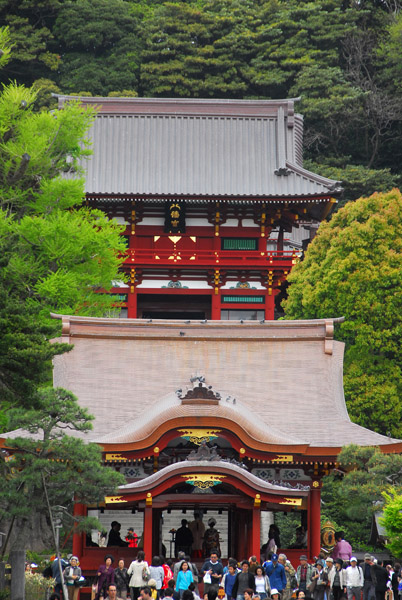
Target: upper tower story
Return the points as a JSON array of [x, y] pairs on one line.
[[214, 197]]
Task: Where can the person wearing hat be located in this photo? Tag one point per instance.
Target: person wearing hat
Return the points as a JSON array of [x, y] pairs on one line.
[[72, 573], [152, 586], [354, 579], [368, 587], [290, 577], [336, 579], [304, 574], [276, 573], [319, 581], [132, 538], [381, 578], [329, 565], [275, 594]]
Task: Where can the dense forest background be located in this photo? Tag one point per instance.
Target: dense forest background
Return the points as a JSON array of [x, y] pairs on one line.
[[343, 58]]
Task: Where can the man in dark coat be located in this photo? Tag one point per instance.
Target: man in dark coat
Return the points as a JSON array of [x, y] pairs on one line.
[[380, 578], [244, 580]]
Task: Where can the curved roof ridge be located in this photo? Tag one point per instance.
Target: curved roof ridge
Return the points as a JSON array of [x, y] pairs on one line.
[[332, 184], [216, 465], [171, 407]]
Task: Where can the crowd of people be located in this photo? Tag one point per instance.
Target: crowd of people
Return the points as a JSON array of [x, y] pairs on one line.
[[325, 578], [329, 577]]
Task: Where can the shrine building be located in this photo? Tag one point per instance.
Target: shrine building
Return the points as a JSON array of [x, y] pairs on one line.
[[215, 200], [235, 420], [202, 398]]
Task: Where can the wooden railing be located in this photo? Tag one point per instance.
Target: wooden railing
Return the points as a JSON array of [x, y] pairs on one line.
[[246, 258]]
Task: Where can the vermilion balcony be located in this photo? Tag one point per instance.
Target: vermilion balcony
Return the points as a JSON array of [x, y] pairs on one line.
[[210, 258]]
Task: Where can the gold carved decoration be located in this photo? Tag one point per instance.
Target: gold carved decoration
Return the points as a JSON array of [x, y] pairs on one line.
[[291, 501], [113, 457], [316, 484], [175, 238], [197, 436], [328, 535], [282, 458], [203, 481], [114, 499]]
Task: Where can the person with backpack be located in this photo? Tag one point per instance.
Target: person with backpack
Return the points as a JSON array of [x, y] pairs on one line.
[[354, 579]]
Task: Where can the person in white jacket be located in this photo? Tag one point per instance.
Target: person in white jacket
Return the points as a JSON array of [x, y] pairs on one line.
[[354, 579]]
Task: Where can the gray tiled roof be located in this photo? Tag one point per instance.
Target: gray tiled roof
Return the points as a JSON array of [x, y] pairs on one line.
[[159, 147], [285, 375]]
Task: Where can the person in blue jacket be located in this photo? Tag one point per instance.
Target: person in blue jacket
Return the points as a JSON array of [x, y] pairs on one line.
[[276, 573]]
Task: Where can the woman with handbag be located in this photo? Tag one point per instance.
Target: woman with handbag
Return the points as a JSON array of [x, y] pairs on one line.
[[139, 575]]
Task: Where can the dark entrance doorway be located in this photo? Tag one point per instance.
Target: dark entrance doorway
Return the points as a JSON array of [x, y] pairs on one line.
[[174, 306]]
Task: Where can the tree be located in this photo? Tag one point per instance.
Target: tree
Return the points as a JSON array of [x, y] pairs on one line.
[[55, 254], [392, 521], [357, 180], [49, 468], [353, 268], [98, 41], [352, 498], [30, 26]]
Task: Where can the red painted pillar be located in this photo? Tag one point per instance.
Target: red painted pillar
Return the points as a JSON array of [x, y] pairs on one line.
[[314, 521], [132, 303], [256, 533], [270, 305], [148, 533], [216, 306], [78, 538]]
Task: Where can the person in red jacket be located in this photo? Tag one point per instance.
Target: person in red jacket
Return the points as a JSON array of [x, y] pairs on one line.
[[132, 538]]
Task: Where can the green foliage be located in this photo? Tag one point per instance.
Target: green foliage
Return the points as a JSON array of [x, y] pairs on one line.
[[55, 254], [52, 461], [287, 523], [342, 58], [36, 586], [350, 500], [99, 43], [357, 180], [5, 46], [392, 521], [353, 268]]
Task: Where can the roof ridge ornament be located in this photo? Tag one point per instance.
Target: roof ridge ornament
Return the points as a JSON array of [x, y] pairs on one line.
[[204, 452], [199, 392]]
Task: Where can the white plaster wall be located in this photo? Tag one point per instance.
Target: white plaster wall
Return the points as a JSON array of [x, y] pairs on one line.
[[158, 283]]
